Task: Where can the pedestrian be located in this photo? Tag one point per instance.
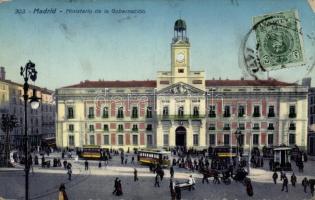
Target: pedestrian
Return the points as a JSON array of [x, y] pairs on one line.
[[178, 193], [122, 159], [312, 189], [126, 160], [115, 186], [157, 181], [135, 173], [69, 173], [172, 172], [216, 178], [65, 164], [106, 160], [281, 175], [192, 182], [132, 159], [275, 177], [285, 183], [62, 192], [100, 164], [305, 184], [86, 164], [293, 179], [161, 174], [270, 164], [119, 188], [172, 189]]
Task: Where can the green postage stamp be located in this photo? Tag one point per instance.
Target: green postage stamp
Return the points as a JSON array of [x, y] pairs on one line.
[[279, 40]]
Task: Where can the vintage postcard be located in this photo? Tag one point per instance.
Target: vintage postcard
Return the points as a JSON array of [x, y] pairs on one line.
[[157, 100]]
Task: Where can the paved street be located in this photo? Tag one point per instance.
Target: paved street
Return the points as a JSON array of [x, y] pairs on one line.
[[98, 184]]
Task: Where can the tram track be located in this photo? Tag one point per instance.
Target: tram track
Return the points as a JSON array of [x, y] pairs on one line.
[[76, 180]]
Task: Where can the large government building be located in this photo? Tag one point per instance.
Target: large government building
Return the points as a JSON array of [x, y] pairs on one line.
[[181, 108]]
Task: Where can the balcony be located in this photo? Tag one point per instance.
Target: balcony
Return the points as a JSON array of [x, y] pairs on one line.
[[120, 130], [105, 115], [91, 116], [212, 115], [134, 129], [256, 128], [256, 114], [292, 115], [120, 116], [271, 114], [227, 128], [270, 128], [292, 128], [134, 116], [211, 128], [227, 115]]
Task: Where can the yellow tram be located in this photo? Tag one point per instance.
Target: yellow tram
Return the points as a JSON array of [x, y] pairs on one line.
[[91, 152], [154, 156]]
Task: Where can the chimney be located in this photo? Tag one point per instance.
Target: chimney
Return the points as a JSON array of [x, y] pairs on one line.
[[2, 73]]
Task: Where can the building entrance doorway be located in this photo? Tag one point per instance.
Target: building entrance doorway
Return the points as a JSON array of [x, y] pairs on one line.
[[180, 133]]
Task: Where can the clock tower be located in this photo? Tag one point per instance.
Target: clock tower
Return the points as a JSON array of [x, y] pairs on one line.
[[180, 52]]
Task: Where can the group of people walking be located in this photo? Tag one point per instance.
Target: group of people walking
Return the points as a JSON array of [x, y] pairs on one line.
[[283, 177]]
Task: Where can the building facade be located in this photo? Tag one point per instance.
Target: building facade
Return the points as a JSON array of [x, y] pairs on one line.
[[311, 124], [41, 122], [181, 108]]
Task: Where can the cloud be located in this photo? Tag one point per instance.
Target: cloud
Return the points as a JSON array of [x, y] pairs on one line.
[[3, 1]]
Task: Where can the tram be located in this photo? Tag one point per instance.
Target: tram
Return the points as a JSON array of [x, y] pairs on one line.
[[154, 156], [91, 152]]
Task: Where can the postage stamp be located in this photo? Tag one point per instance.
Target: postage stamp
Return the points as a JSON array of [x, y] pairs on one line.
[[312, 4], [279, 40]]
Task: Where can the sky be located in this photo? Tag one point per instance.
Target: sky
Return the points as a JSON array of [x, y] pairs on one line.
[[69, 48]]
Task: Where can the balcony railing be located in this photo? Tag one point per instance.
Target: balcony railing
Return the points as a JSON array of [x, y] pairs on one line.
[[292, 115], [256, 114], [181, 117], [91, 116], [271, 114]]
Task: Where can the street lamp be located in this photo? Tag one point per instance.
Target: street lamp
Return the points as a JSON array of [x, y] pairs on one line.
[[238, 134], [8, 122], [28, 72]]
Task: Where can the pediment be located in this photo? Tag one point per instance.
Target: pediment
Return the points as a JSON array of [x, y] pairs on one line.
[[181, 89]]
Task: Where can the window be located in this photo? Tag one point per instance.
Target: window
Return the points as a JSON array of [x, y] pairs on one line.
[[71, 127], [134, 112], [120, 140], [70, 113], [211, 139], [106, 127], [181, 111], [241, 126], [270, 139], [211, 126], [71, 140], [106, 139], [120, 112], [149, 112], [270, 126], [241, 111], [291, 139], [256, 111], [91, 112], [196, 139], [135, 139], [165, 111], [105, 112], [255, 139], [135, 127], [180, 70], [165, 139], [227, 111], [256, 126], [212, 111], [292, 127], [149, 140], [92, 140], [196, 111], [149, 127], [91, 128], [226, 127], [271, 111], [120, 128], [226, 139], [292, 113]]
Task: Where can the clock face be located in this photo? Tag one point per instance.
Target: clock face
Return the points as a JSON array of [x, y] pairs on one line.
[[180, 57]]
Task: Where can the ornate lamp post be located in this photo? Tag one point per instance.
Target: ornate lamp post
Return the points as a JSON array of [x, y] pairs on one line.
[[8, 122], [238, 135], [28, 72]]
